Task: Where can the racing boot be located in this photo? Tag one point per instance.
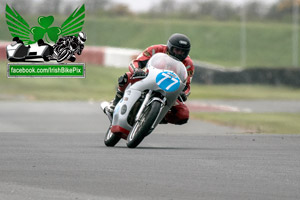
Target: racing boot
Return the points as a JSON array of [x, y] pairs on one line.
[[114, 102]]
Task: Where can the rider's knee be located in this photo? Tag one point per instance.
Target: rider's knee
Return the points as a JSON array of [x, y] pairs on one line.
[[179, 115]]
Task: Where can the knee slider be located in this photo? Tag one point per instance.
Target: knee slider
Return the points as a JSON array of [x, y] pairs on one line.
[[183, 121]]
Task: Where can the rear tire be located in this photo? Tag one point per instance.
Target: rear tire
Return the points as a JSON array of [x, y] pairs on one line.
[[111, 139], [142, 127]]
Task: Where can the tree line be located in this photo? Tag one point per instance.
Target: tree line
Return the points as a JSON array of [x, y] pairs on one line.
[[220, 10], [189, 9]]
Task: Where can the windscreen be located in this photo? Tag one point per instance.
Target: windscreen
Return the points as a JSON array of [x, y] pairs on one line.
[[166, 62]]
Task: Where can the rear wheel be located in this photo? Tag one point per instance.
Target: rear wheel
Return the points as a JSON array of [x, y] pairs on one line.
[[111, 139], [142, 127]]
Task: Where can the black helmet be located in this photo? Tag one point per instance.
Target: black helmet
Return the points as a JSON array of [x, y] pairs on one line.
[[179, 46]]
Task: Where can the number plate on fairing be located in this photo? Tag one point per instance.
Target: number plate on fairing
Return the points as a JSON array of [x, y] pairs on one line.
[[168, 81]]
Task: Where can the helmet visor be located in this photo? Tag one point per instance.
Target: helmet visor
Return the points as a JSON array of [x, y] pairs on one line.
[[179, 53]]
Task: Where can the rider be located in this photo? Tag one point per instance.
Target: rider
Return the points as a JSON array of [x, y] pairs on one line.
[[76, 42], [178, 46]]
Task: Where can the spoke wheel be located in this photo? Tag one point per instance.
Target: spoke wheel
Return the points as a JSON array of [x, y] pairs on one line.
[[142, 127], [63, 55]]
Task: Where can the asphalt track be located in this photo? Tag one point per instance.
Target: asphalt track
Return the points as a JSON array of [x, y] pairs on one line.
[[56, 151]]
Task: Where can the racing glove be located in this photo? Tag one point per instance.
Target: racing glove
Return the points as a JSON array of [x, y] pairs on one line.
[[139, 73], [182, 97]]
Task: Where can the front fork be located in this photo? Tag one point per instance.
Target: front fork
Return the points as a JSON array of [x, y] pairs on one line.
[[148, 95], [146, 102], [163, 103]]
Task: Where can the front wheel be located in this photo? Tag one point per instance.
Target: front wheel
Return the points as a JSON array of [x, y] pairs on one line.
[[142, 127], [111, 139], [63, 55]]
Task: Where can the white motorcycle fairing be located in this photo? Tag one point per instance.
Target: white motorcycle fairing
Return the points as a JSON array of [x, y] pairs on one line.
[[165, 80]]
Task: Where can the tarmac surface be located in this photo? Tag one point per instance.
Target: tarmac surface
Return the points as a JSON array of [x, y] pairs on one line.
[[55, 150]]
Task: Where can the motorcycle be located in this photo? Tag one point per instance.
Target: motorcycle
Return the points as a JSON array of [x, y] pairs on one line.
[[146, 102], [66, 51], [18, 52]]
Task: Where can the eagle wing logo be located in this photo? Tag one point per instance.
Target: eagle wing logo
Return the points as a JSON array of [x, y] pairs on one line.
[[18, 26]]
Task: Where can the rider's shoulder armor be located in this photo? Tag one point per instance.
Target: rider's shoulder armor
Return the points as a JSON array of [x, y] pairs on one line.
[[159, 48]]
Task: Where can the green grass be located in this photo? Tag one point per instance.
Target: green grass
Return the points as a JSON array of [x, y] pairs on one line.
[[268, 43], [277, 123], [100, 84], [244, 92]]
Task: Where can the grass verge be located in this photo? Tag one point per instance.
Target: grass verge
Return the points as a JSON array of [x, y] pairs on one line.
[[100, 84], [268, 43], [240, 91], [275, 123]]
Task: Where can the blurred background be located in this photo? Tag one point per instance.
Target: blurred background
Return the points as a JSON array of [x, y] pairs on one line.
[[243, 50], [224, 32]]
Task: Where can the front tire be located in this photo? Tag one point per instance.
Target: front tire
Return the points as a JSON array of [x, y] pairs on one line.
[[63, 55], [142, 127], [111, 139]]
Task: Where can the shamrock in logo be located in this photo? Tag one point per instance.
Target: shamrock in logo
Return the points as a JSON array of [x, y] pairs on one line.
[[51, 33], [18, 26]]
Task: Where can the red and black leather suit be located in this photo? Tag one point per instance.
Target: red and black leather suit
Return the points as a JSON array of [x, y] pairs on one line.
[[179, 113]]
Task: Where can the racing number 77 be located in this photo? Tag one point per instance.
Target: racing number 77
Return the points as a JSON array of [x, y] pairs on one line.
[[168, 77]]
